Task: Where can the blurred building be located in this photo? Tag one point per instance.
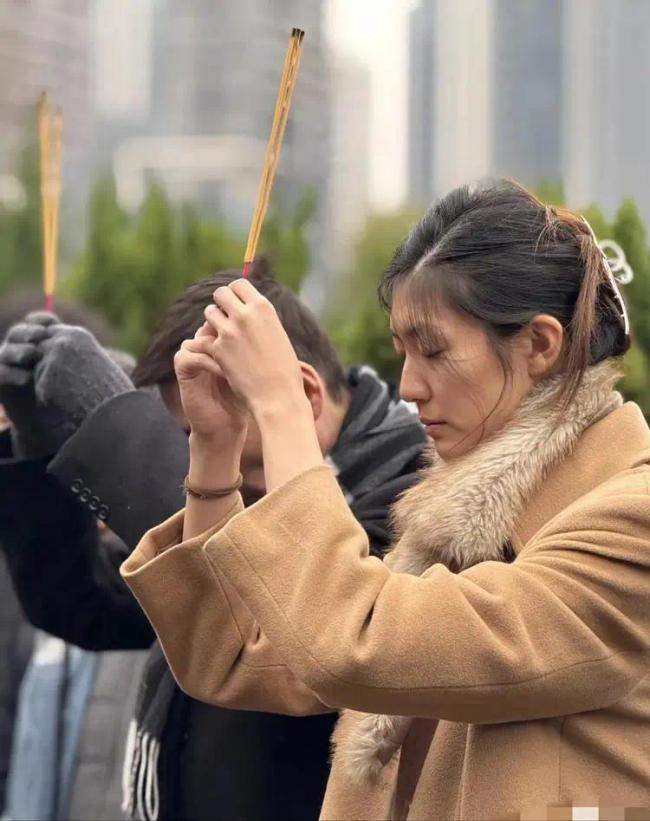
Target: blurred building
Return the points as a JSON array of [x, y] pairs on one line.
[[214, 80], [348, 189], [421, 86], [451, 94], [527, 83], [606, 131], [46, 46]]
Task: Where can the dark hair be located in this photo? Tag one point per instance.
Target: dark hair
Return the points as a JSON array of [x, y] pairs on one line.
[[181, 320], [16, 306], [499, 255]]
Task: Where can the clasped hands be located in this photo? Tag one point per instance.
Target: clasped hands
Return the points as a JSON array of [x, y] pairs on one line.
[[240, 364]]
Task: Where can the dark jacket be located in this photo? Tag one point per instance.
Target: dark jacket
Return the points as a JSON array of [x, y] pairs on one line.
[[126, 465], [16, 639], [15, 649]]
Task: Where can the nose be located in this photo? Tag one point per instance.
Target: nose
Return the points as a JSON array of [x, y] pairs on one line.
[[412, 386]]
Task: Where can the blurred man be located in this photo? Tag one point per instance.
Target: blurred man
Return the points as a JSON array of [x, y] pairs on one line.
[[64, 722]]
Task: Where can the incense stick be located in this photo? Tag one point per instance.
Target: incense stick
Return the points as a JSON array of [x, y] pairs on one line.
[[44, 144], [55, 194], [50, 132], [274, 145]]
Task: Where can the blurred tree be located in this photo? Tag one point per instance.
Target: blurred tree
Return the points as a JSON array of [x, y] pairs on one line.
[[551, 192], [630, 233], [20, 228], [206, 245], [134, 266], [285, 239], [359, 327]]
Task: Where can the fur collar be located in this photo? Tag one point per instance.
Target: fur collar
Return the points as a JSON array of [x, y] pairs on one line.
[[463, 512]]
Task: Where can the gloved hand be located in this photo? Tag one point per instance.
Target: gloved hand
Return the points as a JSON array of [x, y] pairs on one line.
[[52, 376], [32, 426], [74, 375]]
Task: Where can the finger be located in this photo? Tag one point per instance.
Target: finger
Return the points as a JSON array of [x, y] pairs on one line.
[[23, 332], [19, 355], [43, 318], [14, 377], [245, 290], [216, 319], [189, 364], [205, 330], [201, 344], [227, 301]]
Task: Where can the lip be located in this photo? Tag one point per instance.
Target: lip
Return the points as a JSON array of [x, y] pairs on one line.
[[431, 423]]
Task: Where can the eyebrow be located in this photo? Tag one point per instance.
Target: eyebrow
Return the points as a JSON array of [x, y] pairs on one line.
[[409, 332]]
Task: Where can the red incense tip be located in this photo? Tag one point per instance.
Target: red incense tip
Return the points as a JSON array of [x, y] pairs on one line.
[[49, 303], [246, 269]]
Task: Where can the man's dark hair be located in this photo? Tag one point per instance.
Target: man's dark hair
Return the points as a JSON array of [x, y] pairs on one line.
[[182, 319]]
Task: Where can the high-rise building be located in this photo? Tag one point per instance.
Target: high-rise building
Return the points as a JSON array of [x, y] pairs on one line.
[[527, 90], [606, 131], [46, 46], [348, 178], [216, 71], [451, 137], [123, 50], [422, 133]]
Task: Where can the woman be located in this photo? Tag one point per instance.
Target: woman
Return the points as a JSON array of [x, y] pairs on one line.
[[497, 664]]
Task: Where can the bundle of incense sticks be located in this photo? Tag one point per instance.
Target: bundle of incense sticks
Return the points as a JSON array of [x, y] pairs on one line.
[[50, 133], [274, 146]]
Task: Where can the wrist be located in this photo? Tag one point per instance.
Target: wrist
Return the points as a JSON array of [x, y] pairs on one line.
[[226, 439], [277, 410], [213, 463]]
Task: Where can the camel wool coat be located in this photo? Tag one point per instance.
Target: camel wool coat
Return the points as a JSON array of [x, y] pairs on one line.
[[528, 682]]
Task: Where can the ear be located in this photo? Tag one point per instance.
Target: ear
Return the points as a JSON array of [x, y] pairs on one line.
[[546, 337], [314, 389]]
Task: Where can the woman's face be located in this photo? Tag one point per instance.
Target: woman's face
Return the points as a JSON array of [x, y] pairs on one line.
[[459, 385]]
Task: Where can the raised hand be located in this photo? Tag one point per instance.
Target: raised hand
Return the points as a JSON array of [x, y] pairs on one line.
[[255, 355], [209, 404], [35, 429], [75, 375], [253, 349]]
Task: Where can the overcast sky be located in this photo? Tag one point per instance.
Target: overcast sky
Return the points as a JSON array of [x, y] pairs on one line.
[[376, 31]]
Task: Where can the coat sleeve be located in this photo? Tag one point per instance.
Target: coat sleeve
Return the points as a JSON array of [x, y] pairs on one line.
[[185, 595], [190, 603], [66, 579], [127, 463], [563, 629]]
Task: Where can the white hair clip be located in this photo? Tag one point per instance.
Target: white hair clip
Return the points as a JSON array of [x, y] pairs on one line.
[[617, 270]]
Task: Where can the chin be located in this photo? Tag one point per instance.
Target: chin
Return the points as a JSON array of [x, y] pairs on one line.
[[450, 449]]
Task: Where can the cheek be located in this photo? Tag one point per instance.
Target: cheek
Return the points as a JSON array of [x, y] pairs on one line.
[[472, 389]]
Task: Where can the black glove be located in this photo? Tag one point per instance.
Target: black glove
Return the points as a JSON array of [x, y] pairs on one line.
[[32, 426], [52, 376], [74, 375]]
